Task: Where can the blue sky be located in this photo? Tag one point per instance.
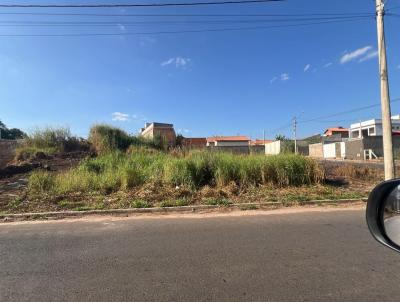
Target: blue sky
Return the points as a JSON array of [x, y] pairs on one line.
[[210, 83]]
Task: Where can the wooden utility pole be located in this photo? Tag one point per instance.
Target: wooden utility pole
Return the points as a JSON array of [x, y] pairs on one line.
[[385, 100], [295, 134]]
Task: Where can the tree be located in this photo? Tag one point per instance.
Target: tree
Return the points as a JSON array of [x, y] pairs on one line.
[[12, 133]]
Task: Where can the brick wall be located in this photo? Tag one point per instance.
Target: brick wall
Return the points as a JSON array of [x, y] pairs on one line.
[[7, 151]]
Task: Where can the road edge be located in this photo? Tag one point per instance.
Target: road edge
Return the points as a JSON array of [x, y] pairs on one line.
[[166, 210]]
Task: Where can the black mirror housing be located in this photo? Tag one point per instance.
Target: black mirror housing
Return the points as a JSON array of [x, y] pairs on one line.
[[375, 212]]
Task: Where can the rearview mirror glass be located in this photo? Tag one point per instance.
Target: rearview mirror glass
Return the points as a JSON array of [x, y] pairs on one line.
[[391, 215]]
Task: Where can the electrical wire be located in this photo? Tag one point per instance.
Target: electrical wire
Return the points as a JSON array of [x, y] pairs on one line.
[[185, 15], [345, 112], [124, 33], [135, 4], [164, 22]]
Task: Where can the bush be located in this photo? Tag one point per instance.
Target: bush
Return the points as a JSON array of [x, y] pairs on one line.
[[41, 182], [105, 138], [117, 171], [47, 141]]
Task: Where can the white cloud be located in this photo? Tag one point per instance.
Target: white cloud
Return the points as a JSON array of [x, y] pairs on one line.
[[284, 77], [307, 67], [121, 27], [120, 117], [179, 62], [350, 56], [273, 80], [368, 56], [328, 64]]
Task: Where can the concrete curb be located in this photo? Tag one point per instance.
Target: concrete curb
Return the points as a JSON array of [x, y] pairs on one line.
[[166, 210]]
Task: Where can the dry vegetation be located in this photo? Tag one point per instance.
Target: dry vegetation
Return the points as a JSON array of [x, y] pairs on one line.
[[132, 172]]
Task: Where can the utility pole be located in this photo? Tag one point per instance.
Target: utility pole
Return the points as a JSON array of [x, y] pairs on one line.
[[295, 134], [385, 100]]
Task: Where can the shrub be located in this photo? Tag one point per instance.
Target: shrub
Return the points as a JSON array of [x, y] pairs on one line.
[[48, 141], [116, 171], [41, 182], [105, 138]]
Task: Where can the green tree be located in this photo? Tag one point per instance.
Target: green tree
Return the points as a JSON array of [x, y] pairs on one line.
[[12, 133]]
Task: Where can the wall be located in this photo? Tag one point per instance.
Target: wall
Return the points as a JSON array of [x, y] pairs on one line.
[[316, 150], [257, 149], [7, 151], [230, 149], [273, 148], [329, 150], [231, 144]]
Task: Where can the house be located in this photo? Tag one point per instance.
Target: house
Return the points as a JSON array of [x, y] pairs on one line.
[[162, 130], [373, 127], [260, 142], [228, 141], [232, 144], [194, 142], [337, 131]]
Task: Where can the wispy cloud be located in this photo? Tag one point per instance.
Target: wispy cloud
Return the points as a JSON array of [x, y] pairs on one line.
[[328, 65], [179, 62], [120, 117], [285, 77], [307, 67], [350, 56], [121, 27], [186, 131], [369, 56], [273, 79]]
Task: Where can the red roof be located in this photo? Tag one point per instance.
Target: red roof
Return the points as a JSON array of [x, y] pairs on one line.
[[261, 142], [228, 139], [336, 129]]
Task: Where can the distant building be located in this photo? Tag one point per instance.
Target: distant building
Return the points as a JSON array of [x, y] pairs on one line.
[[260, 142], [164, 131], [337, 131], [232, 144], [228, 141], [194, 142], [373, 127]]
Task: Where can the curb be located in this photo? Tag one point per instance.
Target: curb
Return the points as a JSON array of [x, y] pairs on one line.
[[167, 210]]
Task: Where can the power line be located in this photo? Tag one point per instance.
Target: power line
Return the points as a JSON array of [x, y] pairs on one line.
[[135, 4], [122, 33], [185, 15], [173, 22], [345, 112]]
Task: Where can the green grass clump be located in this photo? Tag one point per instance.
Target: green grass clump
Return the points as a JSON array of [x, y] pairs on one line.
[[105, 138], [47, 141], [174, 203], [218, 202], [118, 171], [41, 182], [140, 204]]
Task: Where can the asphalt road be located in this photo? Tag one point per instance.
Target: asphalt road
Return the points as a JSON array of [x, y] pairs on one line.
[[327, 256]]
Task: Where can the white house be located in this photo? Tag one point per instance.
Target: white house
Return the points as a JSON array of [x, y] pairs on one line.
[[372, 127]]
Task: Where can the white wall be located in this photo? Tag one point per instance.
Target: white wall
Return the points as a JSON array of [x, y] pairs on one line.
[[329, 150], [273, 148]]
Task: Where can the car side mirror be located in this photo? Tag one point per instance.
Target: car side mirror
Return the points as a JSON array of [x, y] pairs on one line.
[[383, 213]]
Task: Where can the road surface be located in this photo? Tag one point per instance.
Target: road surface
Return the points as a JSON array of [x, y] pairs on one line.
[[310, 256]]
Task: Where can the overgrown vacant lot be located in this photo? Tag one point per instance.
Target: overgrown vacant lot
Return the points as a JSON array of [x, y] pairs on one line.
[[130, 172]]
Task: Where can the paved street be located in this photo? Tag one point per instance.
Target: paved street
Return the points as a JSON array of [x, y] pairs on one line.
[[313, 256]]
